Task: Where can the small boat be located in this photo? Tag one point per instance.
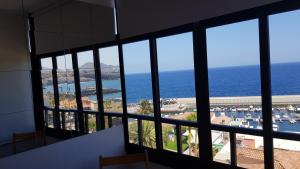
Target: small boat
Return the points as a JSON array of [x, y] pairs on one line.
[[248, 116], [275, 127], [292, 121]]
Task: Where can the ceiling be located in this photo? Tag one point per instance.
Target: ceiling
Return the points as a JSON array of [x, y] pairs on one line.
[[33, 6]]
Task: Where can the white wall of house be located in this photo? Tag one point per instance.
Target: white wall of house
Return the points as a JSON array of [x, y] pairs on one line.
[[143, 16], [16, 107]]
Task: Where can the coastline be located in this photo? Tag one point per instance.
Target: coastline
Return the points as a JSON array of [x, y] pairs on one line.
[[245, 100]]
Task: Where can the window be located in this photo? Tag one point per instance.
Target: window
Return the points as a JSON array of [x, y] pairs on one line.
[[87, 80], [176, 77], [66, 86], [138, 78], [234, 74], [47, 82], [286, 153], [285, 68], [133, 132], [249, 151], [190, 141], [169, 137], [111, 84], [221, 146]]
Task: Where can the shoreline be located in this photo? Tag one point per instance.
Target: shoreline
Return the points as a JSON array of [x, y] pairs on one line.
[[244, 100]]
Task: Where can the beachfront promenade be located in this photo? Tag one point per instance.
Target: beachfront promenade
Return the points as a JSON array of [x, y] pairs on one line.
[[246, 100]]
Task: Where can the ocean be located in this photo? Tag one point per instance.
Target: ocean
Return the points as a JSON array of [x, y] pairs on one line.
[[227, 81]]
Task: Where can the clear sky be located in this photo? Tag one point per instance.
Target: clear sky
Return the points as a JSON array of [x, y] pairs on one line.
[[228, 45]]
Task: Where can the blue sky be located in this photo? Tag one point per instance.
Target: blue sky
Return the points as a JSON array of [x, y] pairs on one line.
[[228, 45]]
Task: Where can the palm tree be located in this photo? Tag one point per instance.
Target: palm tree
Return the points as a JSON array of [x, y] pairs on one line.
[[192, 146], [145, 107], [107, 105], [148, 134], [167, 131], [148, 130]]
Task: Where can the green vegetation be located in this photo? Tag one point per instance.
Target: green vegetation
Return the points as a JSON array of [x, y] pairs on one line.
[[111, 105], [172, 145], [216, 148], [107, 105], [145, 107], [192, 117], [49, 97], [92, 123], [148, 131], [193, 144]]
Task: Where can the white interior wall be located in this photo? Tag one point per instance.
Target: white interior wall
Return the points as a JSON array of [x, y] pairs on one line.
[[16, 109], [77, 153], [74, 24], [143, 16]]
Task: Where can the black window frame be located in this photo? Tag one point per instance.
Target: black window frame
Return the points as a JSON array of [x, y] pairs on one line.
[[201, 85]]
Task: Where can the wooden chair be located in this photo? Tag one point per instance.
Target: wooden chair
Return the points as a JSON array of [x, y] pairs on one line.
[[126, 159], [19, 137]]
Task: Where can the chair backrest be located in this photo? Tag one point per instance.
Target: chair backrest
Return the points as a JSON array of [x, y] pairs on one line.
[[18, 137], [126, 159]]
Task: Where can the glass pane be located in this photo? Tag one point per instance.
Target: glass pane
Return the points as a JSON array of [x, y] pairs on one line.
[[49, 118], [286, 154], [221, 146], [116, 121], [138, 78], [190, 141], [169, 137], [66, 86], [285, 70], [133, 131], [250, 151], [87, 80], [148, 134], [92, 123], [47, 82], [234, 74], [176, 76], [69, 120], [111, 84]]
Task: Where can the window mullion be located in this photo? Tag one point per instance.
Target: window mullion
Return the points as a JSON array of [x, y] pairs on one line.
[[202, 94], [266, 90], [156, 94]]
